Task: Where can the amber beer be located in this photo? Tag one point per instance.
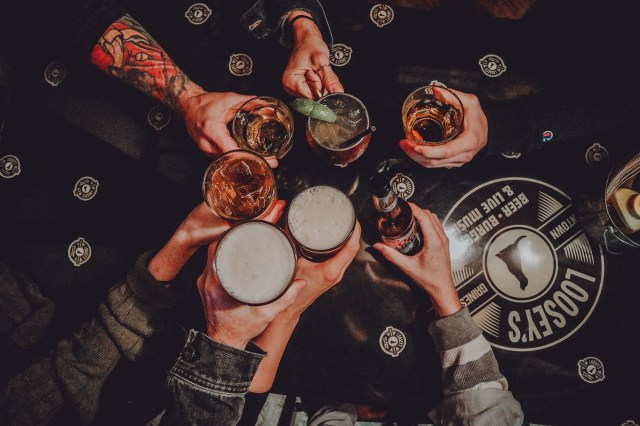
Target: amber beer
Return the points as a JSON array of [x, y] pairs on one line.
[[255, 262], [432, 115], [321, 219], [264, 125], [334, 142], [239, 185], [395, 221]]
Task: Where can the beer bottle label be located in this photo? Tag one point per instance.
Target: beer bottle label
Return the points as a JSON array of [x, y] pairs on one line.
[[407, 243]]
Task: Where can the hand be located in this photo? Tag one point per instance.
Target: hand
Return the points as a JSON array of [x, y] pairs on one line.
[[206, 115], [308, 73], [201, 227], [461, 149], [231, 322], [430, 268], [320, 277]]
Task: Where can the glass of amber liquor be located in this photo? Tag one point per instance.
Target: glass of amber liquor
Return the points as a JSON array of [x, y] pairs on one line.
[[264, 125], [239, 185], [432, 115]]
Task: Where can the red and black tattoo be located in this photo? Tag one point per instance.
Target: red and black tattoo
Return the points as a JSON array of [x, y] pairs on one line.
[[128, 52]]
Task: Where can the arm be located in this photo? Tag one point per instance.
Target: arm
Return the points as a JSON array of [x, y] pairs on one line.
[[77, 367], [475, 392], [320, 277]]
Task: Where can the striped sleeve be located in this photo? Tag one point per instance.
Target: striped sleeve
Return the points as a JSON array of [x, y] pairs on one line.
[[475, 392]]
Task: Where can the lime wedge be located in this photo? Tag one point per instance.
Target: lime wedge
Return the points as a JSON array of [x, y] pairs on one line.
[[313, 109]]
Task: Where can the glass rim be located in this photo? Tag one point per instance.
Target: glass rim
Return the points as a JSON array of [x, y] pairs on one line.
[[278, 104], [290, 240], [337, 246], [217, 161], [356, 143], [461, 109]]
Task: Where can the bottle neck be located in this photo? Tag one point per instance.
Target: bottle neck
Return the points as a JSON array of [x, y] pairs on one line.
[[386, 203]]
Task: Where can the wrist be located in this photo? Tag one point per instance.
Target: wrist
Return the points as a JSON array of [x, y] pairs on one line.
[[188, 96], [302, 27], [445, 300], [225, 338]]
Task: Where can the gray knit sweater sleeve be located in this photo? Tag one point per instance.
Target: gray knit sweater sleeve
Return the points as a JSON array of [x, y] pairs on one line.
[[74, 371], [475, 392]]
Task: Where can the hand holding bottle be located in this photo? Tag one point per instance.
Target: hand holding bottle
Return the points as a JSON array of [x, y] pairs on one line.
[[430, 267]]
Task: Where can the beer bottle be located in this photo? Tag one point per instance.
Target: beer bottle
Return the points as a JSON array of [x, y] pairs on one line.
[[396, 224]]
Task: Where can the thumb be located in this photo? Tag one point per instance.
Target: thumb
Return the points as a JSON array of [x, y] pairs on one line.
[[288, 298], [218, 136], [330, 80], [392, 255]]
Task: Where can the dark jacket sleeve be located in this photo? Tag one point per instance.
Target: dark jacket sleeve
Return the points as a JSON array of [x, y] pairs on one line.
[[208, 382], [76, 368]]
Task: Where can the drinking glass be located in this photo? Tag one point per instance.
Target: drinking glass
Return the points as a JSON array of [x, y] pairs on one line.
[[264, 125], [239, 185], [334, 142], [432, 115], [320, 220], [255, 262]]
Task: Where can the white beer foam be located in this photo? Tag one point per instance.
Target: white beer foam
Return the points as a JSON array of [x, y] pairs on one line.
[[255, 262], [321, 217]]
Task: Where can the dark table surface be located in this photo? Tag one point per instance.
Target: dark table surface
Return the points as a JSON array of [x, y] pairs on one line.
[[566, 345]]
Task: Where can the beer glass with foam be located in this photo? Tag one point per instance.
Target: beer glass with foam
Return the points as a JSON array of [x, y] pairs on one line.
[[320, 219], [255, 262]]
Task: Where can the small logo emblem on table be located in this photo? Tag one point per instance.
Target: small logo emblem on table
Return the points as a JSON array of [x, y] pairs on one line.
[[591, 370], [492, 65], [240, 64], [629, 423], [340, 54], [86, 188], [392, 341], [547, 135], [79, 252], [158, 117], [198, 13], [9, 166], [381, 15], [596, 155], [402, 185], [55, 73]]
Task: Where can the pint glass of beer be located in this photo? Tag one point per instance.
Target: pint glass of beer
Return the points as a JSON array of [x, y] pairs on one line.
[[264, 125], [239, 185], [334, 141], [432, 115], [255, 262], [320, 219]]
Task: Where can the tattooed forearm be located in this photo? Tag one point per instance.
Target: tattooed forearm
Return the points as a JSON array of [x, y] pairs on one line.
[[128, 52]]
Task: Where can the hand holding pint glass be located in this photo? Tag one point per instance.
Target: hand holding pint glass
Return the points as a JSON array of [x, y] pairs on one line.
[[443, 127]]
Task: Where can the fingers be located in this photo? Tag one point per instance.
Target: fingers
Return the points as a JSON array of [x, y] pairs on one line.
[[296, 85], [276, 212], [425, 221], [273, 161], [350, 249], [330, 80], [315, 84], [217, 135], [393, 256], [283, 302]]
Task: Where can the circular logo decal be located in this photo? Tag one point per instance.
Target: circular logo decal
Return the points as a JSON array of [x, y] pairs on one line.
[[512, 155], [381, 15], [596, 155], [198, 13], [340, 54], [55, 73], [402, 185], [591, 370], [492, 65], [240, 64], [9, 166], [629, 423], [392, 341], [547, 135], [86, 188], [158, 117], [79, 252], [522, 265]]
